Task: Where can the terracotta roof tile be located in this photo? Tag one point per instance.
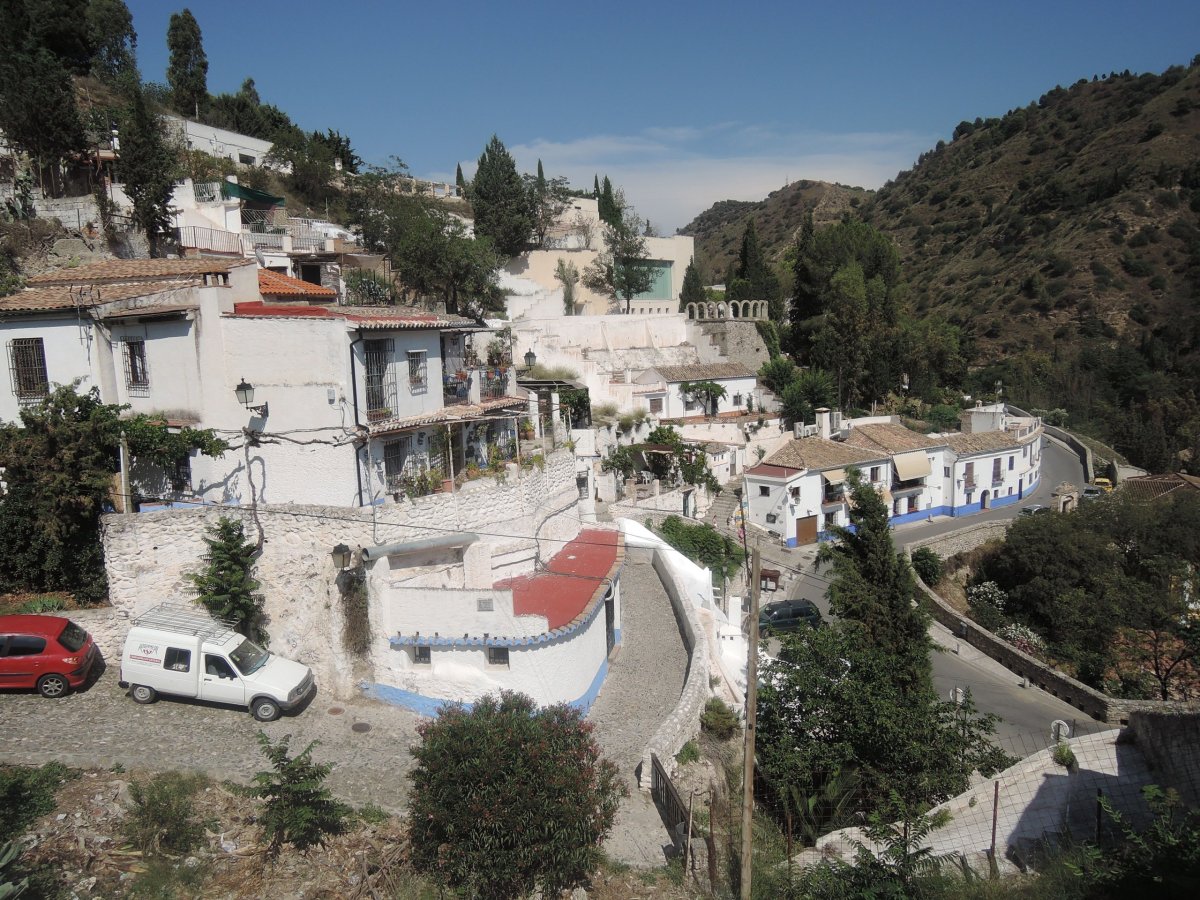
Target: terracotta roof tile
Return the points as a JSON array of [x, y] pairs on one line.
[[819, 453], [383, 317], [1151, 487], [890, 438], [276, 284], [118, 270], [703, 372], [981, 442], [45, 299]]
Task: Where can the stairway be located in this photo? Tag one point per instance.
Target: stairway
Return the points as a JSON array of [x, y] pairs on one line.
[[723, 507]]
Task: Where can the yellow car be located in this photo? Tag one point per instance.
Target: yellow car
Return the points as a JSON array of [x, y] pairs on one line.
[[1104, 484]]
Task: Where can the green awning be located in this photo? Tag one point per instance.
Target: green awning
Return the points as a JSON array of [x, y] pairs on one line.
[[231, 191]]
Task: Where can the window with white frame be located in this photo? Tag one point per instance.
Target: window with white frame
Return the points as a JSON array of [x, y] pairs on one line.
[[418, 371], [137, 374], [945, 471], [27, 365], [875, 474]]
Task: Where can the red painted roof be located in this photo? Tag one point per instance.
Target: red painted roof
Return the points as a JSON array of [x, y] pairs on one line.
[[276, 284], [578, 574]]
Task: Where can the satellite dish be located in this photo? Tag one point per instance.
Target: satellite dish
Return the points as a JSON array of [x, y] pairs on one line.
[[262, 262], [1059, 730]]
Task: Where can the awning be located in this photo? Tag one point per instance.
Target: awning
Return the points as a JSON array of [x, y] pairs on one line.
[[911, 465], [231, 191], [834, 476]]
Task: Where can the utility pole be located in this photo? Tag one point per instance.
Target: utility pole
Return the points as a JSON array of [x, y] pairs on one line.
[[751, 711]]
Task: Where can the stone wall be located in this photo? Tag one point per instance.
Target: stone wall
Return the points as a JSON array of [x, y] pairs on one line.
[[729, 340], [656, 508], [1072, 443], [146, 555], [684, 721], [962, 540], [1171, 744]]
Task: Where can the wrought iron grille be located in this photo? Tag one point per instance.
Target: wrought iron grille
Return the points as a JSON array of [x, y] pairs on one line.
[[27, 365], [137, 373], [418, 371], [381, 379], [396, 455]]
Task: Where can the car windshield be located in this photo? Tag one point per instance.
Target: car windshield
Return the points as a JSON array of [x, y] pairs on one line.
[[73, 637], [249, 657]]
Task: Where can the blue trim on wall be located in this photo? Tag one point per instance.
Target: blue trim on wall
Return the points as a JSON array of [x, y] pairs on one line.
[[616, 636], [418, 703], [584, 703], [793, 542]]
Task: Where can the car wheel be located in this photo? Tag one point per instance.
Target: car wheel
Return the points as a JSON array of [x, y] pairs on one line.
[[264, 709], [53, 686], [142, 694]]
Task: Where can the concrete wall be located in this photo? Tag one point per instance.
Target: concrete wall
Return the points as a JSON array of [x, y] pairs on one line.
[[146, 555], [1170, 742]]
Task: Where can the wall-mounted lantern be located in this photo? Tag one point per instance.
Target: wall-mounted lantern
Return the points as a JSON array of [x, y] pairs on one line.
[[530, 359], [342, 556], [245, 395]]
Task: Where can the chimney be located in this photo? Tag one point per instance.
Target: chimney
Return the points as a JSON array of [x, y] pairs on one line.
[[823, 427], [798, 430]]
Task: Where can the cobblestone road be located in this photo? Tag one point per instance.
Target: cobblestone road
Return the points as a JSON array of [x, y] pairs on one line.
[[641, 690]]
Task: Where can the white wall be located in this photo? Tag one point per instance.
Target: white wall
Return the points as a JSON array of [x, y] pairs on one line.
[[677, 407]]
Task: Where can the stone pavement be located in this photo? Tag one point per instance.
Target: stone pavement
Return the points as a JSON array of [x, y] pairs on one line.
[[643, 685]]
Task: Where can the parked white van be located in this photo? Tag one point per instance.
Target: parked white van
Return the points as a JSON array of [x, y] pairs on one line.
[[181, 651]]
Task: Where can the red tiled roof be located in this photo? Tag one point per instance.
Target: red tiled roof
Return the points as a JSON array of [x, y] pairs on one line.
[[360, 316], [118, 270], [276, 284], [574, 578]]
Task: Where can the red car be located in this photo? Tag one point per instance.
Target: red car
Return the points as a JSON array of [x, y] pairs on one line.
[[49, 653]]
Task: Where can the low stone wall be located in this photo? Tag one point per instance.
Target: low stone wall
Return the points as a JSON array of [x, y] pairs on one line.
[[1083, 451], [963, 540], [684, 721], [1170, 741]]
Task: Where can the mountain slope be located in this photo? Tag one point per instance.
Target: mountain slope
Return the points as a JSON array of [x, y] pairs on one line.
[[718, 230]]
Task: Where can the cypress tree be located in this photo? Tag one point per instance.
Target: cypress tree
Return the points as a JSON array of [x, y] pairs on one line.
[[147, 166], [226, 587], [187, 72], [754, 279], [459, 181], [693, 290], [596, 187], [541, 179], [503, 211], [607, 207]]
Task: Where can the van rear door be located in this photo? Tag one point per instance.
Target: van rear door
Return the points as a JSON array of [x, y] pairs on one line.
[[220, 682]]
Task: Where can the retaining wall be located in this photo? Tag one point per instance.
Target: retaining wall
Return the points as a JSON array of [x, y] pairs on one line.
[[1073, 443], [684, 721], [1170, 741], [962, 540]]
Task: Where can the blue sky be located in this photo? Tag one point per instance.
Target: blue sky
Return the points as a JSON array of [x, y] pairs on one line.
[[681, 104]]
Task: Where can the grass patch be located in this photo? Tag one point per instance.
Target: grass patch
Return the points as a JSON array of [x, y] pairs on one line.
[[163, 816], [688, 753], [27, 794]]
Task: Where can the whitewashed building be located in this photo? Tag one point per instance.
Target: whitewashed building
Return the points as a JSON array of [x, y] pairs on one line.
[[662, 389], [347, 406]]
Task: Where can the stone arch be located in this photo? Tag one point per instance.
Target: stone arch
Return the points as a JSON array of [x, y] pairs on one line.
[[756, 309], [735, 309], [722, 310], [691, 310], [711, 309]]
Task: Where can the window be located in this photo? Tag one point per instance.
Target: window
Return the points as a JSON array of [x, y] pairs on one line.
[[181, 474], [771, 518], [737, 399], [656, 406], [875, 474], [417, 371], [246, 159], [997, 470], [218, 666], [969, 474], [137, 375], [1011, 461], [395, 458], [764, 491], [421, 656], [945, 471], [177, 660], [497, 656], [25, 645], [27, 364], [381, 379], [311, 273], [1025, 450], [484, 604]]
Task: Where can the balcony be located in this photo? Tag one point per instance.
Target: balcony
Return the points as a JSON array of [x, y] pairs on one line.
[[456, 389], [912, 485]]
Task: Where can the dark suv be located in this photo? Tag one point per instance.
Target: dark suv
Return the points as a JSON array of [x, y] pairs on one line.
[[788, 615]]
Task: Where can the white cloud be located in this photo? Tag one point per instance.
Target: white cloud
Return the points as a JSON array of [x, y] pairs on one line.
[[671, 174]]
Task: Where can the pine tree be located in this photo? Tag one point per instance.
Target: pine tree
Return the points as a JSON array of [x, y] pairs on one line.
[[187, 72], [298, 808], [459, 181], [502, 206], [148, 168], [693, 288], [610, 212], [227, 587]]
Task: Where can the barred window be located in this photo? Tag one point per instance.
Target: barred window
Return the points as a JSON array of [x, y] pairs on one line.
[[497, 656], [137, 374], [27, 364], [417, 371], [395, 457], [181, 474], [381, 379]]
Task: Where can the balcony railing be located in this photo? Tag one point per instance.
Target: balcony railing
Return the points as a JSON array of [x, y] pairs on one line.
[[456, 390], [494, 384], [910, 484], [969, 484]]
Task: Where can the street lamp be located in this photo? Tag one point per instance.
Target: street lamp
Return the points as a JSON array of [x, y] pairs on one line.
[[245, 395], [530, 359], [342, 556]]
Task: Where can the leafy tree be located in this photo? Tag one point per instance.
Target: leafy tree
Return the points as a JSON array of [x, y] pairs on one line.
[[501, 201], [37, 101], [810, 390], [148, 168], [927, 564], [548, 200], [245, 113], [112, 39], [567, 275], [709, 393], [226, 587], [297, 807], [693, 287], [187, 71], [59, 464], [508, 798], [705, 545], [777, 373], [621, 270]]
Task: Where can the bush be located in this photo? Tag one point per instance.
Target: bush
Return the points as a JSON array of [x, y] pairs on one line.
[[719, 720], [927, 565], [44, 604], [297, 807], [27, 793], [688, 753], [1063, 755], [163, 815], [508, 798]]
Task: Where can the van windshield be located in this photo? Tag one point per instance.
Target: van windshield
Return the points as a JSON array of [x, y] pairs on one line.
[[249, 657]]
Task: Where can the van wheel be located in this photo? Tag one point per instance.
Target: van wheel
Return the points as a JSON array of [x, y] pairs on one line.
[[53, 686], [142, 694], [264, 709]]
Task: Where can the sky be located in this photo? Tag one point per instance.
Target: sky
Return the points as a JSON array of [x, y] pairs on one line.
[[680, 104]]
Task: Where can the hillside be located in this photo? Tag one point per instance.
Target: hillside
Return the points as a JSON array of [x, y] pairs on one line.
[[1072, 215], [718, 230]]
